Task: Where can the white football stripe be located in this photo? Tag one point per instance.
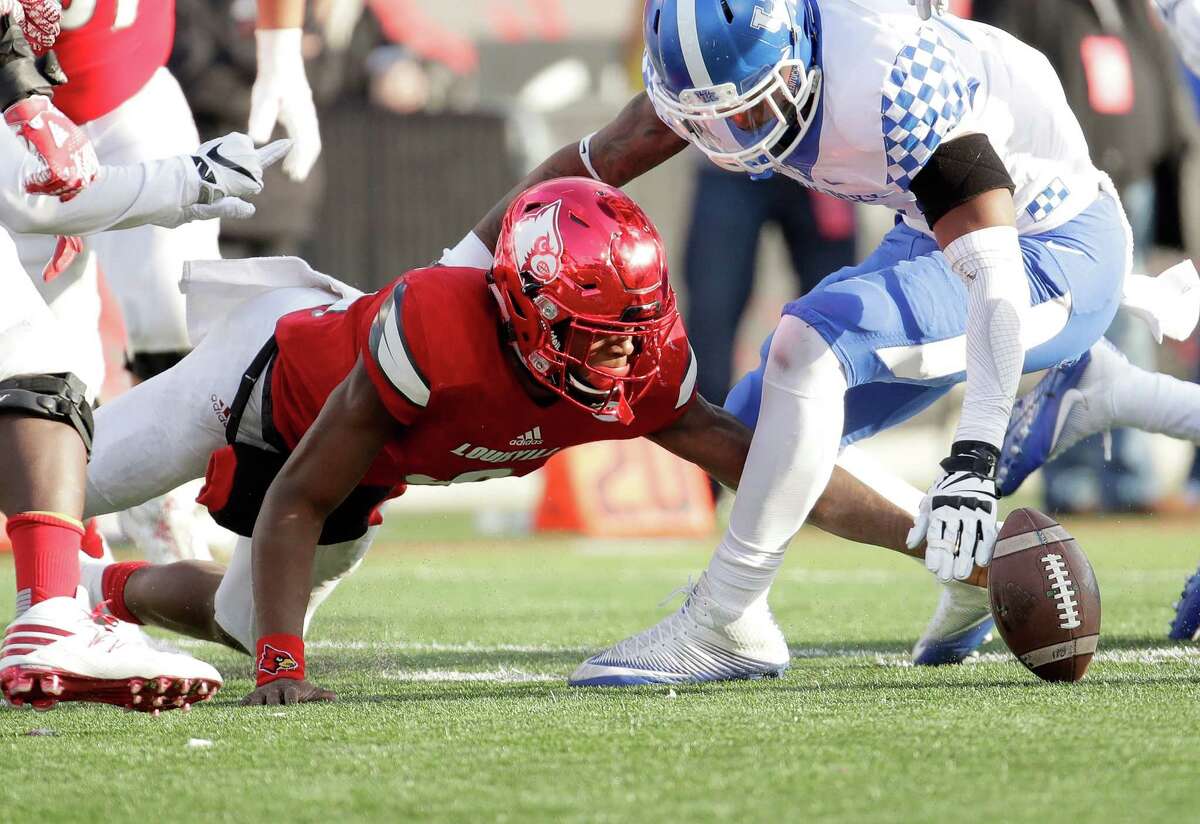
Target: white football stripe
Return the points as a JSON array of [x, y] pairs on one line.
[[394, 360], [689, 380], [689, 39]]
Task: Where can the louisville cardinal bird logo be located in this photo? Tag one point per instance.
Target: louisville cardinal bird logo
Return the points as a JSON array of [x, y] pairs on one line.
[[537, 243], [274, 661]]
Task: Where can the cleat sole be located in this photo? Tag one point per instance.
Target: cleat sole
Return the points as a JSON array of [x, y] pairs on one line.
[[44, 688]]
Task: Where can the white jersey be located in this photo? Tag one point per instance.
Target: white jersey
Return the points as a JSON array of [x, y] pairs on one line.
[[896, 87]]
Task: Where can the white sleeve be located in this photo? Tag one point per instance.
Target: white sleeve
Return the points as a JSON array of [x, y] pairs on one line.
[[119, 198], [990, 263], [1183, 22], [470, 253]]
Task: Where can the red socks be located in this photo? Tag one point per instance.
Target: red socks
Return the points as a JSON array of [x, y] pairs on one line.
[[112, 585], [46, 556]]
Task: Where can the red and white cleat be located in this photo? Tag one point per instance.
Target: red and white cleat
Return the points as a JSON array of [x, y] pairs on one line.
[[59, 651]]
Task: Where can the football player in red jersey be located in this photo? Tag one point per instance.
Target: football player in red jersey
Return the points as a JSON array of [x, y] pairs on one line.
[[318, 403], [119, 91]]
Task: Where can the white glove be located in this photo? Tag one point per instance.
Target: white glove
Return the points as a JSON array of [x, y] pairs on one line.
[[957, 518], [928, 8], [281, 92], [230, 169]]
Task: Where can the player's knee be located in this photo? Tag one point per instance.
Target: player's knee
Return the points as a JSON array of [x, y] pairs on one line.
[[58, 397], [802, 361]]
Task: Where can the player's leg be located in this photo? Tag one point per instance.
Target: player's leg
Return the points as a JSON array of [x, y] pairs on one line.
[[207, 601], [143, 267], [54, 650], [728, 213]]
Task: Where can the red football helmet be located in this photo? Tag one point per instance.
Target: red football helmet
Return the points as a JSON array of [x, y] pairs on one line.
[[579, 267]]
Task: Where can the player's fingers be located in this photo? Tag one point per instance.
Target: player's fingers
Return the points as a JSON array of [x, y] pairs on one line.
[[965, 561], [299, 117], [988, 544], [322, 695], [264, 113], [916, 535], [271, 154], [254, 699], [290, 695], [233, 208]]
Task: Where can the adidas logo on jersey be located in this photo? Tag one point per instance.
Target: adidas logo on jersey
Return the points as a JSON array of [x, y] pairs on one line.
[[531, 438]]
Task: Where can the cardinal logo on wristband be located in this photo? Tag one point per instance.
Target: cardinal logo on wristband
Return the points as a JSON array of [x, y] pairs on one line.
[[274, 661]]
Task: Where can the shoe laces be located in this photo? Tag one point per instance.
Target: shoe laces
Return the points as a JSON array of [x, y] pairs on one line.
[[686, 591]]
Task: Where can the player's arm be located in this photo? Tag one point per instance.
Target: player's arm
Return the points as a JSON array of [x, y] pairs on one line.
[[281, 91], [328, 463], [717, 442], [164, 192], [965, 193], [632, 144]]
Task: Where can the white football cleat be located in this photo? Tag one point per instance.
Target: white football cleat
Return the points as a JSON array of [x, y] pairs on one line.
[[701, 641], [962, 623], [169, 528], [58, 651]]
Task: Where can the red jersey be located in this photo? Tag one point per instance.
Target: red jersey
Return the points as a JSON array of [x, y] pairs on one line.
[[431, 344], [110, 49]]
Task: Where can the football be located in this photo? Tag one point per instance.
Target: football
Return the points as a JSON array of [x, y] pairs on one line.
[[1044, 596]]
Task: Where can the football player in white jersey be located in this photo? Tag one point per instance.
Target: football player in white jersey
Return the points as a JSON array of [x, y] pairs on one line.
[[1011, 253], [54, 650]]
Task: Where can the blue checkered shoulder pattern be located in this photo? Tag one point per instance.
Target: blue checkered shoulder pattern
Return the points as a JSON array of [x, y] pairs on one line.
[[1050, 199], [924, 98]]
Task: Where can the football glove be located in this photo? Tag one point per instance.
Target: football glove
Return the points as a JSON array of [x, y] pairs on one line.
[[65, 161], [41, 24], [957, 517], [230, 169], [928, 8], [281, 92]]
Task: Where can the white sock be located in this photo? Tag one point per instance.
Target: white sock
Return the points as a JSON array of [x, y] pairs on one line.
[[1158, 403], [91, 575], [791, 458]]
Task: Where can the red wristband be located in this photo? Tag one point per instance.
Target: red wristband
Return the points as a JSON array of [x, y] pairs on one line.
[[279, 656]]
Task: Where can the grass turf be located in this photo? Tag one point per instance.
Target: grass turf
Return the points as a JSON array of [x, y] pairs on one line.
[[449, 656]]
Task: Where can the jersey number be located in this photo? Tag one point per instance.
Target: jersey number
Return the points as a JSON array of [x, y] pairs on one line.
[[465, 478], [80, 13]]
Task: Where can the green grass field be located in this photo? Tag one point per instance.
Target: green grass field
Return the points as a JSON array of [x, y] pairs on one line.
[[450, 653]]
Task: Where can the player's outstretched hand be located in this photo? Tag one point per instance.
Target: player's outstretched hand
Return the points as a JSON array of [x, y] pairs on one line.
[[928, 8], [287, 691], [957, 517], [65, 161], [229, 169], [281, 93]]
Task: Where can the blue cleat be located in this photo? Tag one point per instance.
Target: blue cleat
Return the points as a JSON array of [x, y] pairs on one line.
[[1070, 403], [701, 641], [961, 625], [1186, 626]]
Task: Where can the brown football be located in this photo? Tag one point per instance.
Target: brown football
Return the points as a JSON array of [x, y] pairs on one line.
[[1044, 596]]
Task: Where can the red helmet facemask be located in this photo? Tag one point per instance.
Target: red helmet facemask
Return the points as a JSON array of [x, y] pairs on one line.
[[580, 276]]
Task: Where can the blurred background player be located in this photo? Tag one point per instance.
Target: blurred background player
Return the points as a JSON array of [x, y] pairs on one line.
[[54, 650], [114, 53]]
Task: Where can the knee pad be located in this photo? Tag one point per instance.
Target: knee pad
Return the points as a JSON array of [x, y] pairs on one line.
[[58, 397], [145, 365]]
